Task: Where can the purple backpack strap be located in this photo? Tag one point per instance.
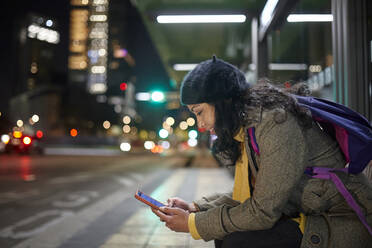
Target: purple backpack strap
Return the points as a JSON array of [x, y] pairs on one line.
[[252, 138], [327, 173]]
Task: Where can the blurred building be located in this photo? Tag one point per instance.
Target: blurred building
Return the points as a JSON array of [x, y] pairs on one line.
[[111, 56], [35, 88]]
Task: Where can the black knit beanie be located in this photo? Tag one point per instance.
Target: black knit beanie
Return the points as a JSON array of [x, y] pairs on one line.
[[212, 80]]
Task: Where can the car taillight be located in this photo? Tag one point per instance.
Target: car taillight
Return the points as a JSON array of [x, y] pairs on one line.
[[39, 134], [26, 140]]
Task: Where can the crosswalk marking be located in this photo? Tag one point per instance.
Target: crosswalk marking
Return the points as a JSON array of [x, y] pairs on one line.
[[50, 218]]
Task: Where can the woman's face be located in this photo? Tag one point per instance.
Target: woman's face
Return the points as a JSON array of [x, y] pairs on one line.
[[205, 115]]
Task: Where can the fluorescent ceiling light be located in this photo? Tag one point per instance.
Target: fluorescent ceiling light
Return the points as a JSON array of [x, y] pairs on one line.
[[200, 18], [184, 67], [310, 18], [287, 67], [267, 12]]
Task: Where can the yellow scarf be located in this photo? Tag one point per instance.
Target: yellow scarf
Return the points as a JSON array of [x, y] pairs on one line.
[[241, 190]]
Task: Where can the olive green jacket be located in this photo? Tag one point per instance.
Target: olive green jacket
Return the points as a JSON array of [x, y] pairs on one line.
[[282, 188]]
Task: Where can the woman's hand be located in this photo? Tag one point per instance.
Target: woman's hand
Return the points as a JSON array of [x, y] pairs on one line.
[[175, 219], [180, 203]]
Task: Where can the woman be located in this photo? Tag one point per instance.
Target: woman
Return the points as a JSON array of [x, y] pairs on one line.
[[273, 203]]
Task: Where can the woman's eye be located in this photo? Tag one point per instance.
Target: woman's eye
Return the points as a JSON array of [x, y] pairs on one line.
[[199, 113]]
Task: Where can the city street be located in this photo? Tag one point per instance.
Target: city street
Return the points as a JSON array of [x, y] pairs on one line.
[[39, 192], [107, 101]]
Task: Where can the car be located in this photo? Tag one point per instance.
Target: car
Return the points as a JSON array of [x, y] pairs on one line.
[[20, 143]]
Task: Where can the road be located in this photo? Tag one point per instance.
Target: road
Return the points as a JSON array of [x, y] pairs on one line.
[[37, 192]]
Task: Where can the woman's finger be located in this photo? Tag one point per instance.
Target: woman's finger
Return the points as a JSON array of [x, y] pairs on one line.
[[170, 202]]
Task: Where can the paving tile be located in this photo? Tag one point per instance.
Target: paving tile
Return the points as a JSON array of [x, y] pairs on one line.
[[123, 239], [164, 240], [129, 230], [121, 246], [201, 244]]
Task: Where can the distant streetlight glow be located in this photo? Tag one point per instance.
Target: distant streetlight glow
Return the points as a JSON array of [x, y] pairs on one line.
[[192, 142], [149, 145], [193, 134], [183, 125], [163, 133], [239, 18], [143, 96], [190, 121], [126, 119], [35, 118], [125, 147], [157, 96], [170, 121], [310, 18], [126, 129], [49, 23], [165, 125], [19, 123], [184, 67], [106, 124]]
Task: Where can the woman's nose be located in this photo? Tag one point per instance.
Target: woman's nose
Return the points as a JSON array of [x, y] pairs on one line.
[[200, 124]]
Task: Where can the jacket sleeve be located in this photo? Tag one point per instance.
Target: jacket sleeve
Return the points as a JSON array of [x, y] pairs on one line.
[[215, 200], [282, 162]]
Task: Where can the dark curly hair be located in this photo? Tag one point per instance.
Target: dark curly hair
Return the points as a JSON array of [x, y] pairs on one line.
[[230, 114]]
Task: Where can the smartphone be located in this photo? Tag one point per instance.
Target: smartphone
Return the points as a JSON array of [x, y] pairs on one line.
[[148, 200]]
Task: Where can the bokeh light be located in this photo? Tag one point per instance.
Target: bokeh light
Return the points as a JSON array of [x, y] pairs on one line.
[[149, 145], [19, 123], [193, 134], [125, 147], [35, 118], [183, 125], [190, 121], [126, 119], [163, 133], [126, 128], [73, 132], [192, 142], [170, 121], [106, 124]]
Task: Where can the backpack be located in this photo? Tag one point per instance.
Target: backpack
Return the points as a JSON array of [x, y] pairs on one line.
[[353, 133]]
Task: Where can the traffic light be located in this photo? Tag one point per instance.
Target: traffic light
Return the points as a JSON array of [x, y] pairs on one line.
[[157, 96], [123, 86]]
